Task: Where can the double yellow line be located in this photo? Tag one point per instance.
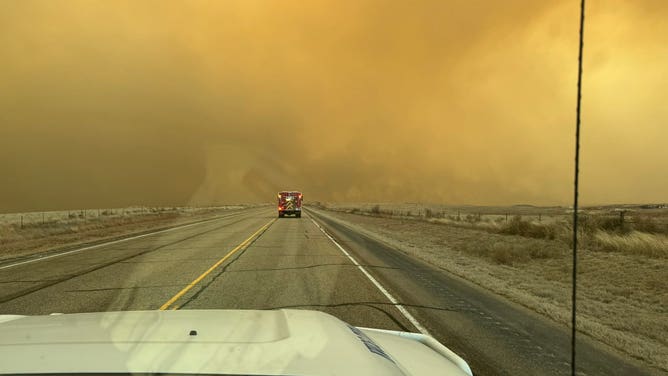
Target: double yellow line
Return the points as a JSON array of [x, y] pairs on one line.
[[197, 280]]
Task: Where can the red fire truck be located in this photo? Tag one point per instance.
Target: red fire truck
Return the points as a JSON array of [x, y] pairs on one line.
[[289, 202]]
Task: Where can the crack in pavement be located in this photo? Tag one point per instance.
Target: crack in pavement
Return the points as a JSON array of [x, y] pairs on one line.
[[306, 267]]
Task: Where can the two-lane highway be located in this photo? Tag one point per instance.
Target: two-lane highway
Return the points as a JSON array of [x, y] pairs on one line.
[[245, 261], [251, 260]]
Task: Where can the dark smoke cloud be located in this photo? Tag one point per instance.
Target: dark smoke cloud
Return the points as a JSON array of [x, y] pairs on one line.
[[195, 102]]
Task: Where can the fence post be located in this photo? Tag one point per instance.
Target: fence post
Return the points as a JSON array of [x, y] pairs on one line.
[[506, 217], [21, 220]]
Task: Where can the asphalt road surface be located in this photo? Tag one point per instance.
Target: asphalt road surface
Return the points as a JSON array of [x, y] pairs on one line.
[[252, 260]]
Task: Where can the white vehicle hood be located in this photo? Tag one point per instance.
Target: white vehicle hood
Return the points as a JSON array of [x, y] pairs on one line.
[[246, 342]]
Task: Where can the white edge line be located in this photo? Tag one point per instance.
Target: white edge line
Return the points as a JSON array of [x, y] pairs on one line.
[[380, 287], [107, 243]]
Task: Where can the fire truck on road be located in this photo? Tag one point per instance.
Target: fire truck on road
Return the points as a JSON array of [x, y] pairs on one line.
[[289, 202]]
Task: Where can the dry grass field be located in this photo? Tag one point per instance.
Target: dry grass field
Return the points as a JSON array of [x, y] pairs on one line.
[[622, 279], [22, 234]]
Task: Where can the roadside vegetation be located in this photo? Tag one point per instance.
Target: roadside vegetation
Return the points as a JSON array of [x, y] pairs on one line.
[[639, 234], [22, 234], [523, 253]]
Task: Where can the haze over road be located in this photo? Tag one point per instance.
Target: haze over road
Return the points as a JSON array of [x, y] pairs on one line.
[[264, 263]]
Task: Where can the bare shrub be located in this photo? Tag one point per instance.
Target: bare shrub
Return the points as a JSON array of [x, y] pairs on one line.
[[516, 226], [649, 225], [589, 224], [509, 251], [472, 218], [504, 255]]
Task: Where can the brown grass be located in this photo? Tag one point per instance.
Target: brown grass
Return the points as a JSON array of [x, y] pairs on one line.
[[622, 274], [636, 242], [643, 235]]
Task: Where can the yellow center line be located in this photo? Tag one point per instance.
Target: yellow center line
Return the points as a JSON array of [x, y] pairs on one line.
[[214, 266]]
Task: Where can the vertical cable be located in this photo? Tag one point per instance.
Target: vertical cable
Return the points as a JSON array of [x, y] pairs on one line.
[[575, 190]]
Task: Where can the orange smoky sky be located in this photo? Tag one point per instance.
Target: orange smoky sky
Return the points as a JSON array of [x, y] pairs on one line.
[[113, 103]]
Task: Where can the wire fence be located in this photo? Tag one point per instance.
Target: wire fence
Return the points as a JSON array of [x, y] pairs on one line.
[[46, 218], [655, 220]]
